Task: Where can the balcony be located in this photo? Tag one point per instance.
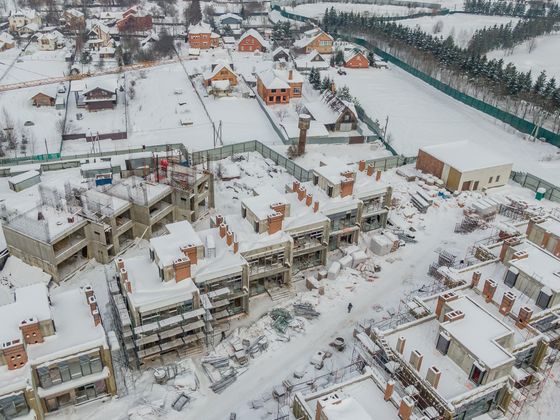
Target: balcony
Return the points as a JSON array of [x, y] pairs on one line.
[[123, 224], [71, 245], [159, 211]]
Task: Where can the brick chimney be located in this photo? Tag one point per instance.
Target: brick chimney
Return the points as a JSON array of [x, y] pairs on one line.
[[519, 255], [508, 299], [401, 341], [315, 206], [524, 317], [301, 193], [290, 74], [190, 252], [88, 290], [444, 298], [31, 331], [96, 317], [475, 279], [182, 267], [362, 165], [406, 407], [346, 187], [308, 199], [506, 244], [378, 175], [433, 376], [14, 354], [92, 302], [295, 186], [229, 238], [223, 230], [489, 290], [416, 360], [128, 286], [219, 219], [235, 246], [120, 263], [453, 316], [389, 387], [279, 207], [123, 275], [275, 221], [370, 170]]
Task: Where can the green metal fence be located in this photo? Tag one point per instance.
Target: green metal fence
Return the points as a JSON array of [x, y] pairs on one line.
[[534, 183]]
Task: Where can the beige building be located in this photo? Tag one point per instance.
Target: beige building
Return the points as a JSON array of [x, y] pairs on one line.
[[464, 166], [54, 352], [23, 17]]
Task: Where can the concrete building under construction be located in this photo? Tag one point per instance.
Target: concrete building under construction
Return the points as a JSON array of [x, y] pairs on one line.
[[67, 226]]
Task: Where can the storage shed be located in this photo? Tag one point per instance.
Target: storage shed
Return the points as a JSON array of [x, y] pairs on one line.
[[24, 180]]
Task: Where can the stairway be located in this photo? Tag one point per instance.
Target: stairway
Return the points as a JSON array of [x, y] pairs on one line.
[[280, 293]]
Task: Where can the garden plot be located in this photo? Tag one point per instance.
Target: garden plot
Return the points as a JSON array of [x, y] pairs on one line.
[[420, 115], [317, 10], [32, 64], [542, 53], [460, 27], [39, 126]]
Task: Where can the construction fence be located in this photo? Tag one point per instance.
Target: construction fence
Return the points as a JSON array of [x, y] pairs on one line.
[[533, 183]]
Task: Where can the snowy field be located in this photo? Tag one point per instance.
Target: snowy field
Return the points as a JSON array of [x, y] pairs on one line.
[[543, 53], [317, 10], [38, 125], [419, 115], [402, 274], [460, 26], [32, 65]]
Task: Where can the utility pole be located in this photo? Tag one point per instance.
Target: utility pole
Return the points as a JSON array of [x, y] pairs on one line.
[[47, 148], [386, 124]]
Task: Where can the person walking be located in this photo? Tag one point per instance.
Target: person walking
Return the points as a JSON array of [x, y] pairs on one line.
[[350, 306]]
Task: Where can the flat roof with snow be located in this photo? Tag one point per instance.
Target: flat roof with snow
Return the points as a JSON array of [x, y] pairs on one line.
[[465, 156], [540, 265]]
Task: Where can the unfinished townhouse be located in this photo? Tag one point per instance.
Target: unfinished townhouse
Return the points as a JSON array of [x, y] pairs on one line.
[[70, 225], [457, 354], [54, 352], [301, 220], [174, 296], [261, 240], [353, 197]]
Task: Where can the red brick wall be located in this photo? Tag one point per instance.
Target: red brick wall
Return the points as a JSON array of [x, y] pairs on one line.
[[359, 61], [428, 163], [249, 44]]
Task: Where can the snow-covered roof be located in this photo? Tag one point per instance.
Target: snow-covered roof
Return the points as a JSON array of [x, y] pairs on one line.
[[221, 84], [465, 156], [16, 274], [23, 177], [344, 407], [250, 240], [27, 13], [75, 13], [138, 191], [312, 60], [103, 204], [350, 54], [6, 37], [217, 68], [279, 79], [279, 50], [329, 107], [200, 28], [551, 225], [255, 34], [221, 18], [309, 37], [168, 247], [540, 265], [105, 85]]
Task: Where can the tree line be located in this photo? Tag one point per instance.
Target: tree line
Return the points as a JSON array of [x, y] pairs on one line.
[[510, 8]]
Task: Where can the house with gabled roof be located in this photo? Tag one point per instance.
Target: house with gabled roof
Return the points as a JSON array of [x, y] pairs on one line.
[[252, 41], [221, 78], [315, 39], [355, 59], [22, 18], [276, 86], [202, 37], [335, 113], [6, 41], [313, 60]]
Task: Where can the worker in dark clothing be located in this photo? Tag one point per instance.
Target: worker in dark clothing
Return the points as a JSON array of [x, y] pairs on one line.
[[350, 306], [223, 336]]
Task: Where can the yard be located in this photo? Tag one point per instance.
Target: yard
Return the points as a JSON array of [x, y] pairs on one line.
[[419, 115]]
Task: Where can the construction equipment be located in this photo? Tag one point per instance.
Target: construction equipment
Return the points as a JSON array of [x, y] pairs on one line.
[[180, 401]]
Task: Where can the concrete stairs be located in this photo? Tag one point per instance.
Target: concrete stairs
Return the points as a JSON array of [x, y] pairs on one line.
[[280, 293]]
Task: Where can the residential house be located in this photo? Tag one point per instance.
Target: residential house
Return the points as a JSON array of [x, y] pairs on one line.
[[336, 114], [54, 352], [150, 39], [277, 86], [98, 98], [23, 17], [50, 41], [464, 166], [230, 20], [74, 20], [252, 41], [315, 39], [353, 197], [355, 59], [6, 41], [281, 54], [43, 99], [201, 37], [221, 79], [175, 296], [99, 36], [310, 61], [135, 19]]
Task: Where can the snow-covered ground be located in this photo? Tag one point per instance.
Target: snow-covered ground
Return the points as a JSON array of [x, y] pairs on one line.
[[541, 53], [420, 115], [32, 65], [402, 274], [317, 10], [460, 26]]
